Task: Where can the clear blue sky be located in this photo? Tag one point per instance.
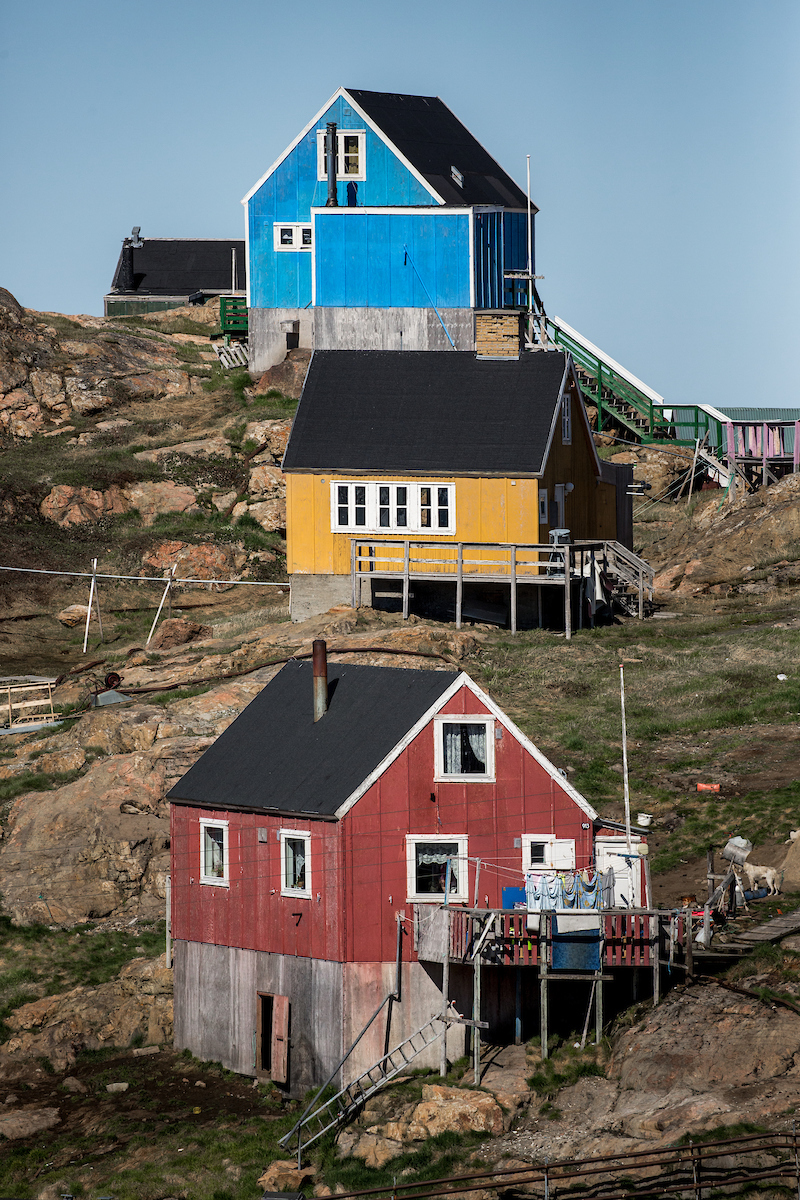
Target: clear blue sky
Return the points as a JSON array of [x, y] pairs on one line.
[[663, 136]]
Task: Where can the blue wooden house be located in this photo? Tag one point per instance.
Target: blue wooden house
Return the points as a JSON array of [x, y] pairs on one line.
[[413, 231]]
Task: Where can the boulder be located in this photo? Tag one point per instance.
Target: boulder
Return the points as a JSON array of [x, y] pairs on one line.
[[210, 447], [791, 872], [153, 498], [447, 1109], [270, 514], [287, 377], [274, 433], [138, 1003], [73, 614], [211, 562], [177, 631], [24, 1122], [283, 1176], [67, 505], [375, 1150], [222, 501], [266, 482]]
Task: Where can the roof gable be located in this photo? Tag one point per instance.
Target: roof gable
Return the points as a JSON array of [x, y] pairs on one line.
[[463, 681], [436, 412], [274, 757], [429, 140]]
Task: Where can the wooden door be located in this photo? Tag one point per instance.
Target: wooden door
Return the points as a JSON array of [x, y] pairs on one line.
[[280, 1039]]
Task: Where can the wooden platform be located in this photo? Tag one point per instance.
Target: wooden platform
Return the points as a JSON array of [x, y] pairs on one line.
[[772, 931]]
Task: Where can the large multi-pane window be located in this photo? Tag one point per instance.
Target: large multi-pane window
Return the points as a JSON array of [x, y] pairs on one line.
[[350, 152], [393, 507]]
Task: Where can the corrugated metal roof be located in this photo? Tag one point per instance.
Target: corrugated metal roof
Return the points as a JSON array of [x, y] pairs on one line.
[[763, 414]]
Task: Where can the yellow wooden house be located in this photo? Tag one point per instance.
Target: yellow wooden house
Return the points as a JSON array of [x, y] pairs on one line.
[[435, 481]]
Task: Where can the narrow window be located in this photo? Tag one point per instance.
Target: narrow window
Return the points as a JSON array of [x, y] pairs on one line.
[[287, 235], [566, 419], [538, 856], [443, 511], [543, 508], [401, 508], [384, 514], [360, 504], [343, 504], [306, 235], [425, 507], [214, 852], [351, 155], [295, 863]]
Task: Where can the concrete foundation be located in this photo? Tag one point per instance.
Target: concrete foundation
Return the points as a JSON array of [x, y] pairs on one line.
[[268, 342], [315, 594], [216, 1015], [392, 329]]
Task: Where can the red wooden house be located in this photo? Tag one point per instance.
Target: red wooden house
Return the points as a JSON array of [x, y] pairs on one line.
[[302, 846]]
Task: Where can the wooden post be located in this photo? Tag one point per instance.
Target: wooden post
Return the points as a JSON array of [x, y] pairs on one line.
[[168, 891], [161, 605], [539, 602], [518, 1008], [353, 569], [655, 954], [513, 589], [694, 468], [731, 439], [687, 940], [796, 449], [710, 871], [764, 449], [445, 993], [567, 593], [92, 589], [544, 938], [406, 562], [459, 584], [476, 1016], [641, 594]]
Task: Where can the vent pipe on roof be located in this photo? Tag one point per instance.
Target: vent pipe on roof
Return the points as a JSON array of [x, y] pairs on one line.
[[330, 150], [320, 659]]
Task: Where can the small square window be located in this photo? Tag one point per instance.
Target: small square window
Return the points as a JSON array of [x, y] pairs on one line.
[[294, 236], [287, 236], [464, 748], [214, 852], [295, 863], [546, 852], [427, 859]]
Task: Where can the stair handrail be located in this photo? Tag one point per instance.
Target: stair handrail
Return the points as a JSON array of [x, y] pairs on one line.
[[311, 1105]]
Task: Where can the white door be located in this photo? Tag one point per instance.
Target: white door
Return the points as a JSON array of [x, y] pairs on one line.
[[613, 852]]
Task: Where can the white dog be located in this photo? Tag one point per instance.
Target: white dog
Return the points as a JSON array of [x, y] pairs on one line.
[[772, 876]]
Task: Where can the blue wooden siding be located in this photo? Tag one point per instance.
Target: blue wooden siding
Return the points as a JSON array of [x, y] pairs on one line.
[[361, 262], [282, 279], [500, 245]]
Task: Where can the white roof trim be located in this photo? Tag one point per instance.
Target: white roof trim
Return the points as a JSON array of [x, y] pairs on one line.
[[463, 680], [339, 92], [375, 129], [437, 210], [556, 413]]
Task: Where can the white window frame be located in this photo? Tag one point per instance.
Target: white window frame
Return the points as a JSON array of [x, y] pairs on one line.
[[295, 835], [341, 134], [559, 854], [214, 880], [544, 508], [566, 419], [455, 897], [297, 228], [413, 506], [463, 719]]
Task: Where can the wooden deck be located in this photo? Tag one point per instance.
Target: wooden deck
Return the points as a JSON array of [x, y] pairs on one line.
[[772, 931]]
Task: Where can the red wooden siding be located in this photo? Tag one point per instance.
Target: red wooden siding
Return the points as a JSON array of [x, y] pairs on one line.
[[358, 864]]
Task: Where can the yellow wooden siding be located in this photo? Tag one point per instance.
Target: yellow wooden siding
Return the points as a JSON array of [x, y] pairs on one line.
[[576, 464], [487, 510]]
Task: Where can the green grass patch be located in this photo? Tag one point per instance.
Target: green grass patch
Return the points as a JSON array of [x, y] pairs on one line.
[[179, 694]]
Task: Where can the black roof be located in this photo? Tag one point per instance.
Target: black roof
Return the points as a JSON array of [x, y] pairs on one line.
[[182, 266], [275, 757], [434, 141], [426, 411]]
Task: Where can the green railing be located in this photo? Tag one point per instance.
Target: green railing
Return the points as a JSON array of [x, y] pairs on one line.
[[233, 315], [680, 423]]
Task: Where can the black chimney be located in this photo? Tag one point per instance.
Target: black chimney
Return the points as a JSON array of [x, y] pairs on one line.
[[320, 659], [330, 150]]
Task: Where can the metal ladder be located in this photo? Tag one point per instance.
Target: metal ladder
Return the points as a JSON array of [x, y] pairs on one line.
[[338, 1108]]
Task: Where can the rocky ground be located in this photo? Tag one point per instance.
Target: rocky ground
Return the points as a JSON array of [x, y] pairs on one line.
[[126, 442]]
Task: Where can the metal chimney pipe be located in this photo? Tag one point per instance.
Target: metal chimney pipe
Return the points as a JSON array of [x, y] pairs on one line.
[[330, 149], [320, 659]]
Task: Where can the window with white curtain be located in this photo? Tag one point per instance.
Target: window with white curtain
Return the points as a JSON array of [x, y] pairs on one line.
[[214, 852], [464, 748], [427, 858], [295, 862], [384, 507]]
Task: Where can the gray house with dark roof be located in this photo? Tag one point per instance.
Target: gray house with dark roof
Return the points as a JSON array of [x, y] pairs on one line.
[[398, 239]]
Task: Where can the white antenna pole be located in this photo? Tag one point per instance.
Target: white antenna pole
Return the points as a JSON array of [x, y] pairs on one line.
[[530, 251], [625, 758]]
